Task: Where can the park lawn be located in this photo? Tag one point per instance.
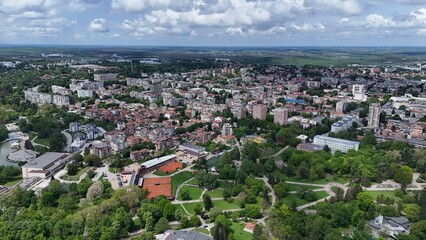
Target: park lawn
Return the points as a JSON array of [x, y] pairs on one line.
[[321, 194], [224, 184], [193, 182], [179, 206], [390, 194], [32, 135], [297, 187], [43, 141], [16, 180], [223, 205], [202, 230], [75, 177], [290, 198], [213, 161], [239, 233], [194, 192], [190, 207], [217, 193], [180, 178]]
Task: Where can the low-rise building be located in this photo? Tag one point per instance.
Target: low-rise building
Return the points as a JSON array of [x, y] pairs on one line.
[[336, 144], [46, 165]]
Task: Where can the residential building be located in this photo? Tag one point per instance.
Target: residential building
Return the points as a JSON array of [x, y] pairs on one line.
[[281, 116], [37, 97], [359, 92], [341, 106], [75, 127], [84, 93], [105, 76], [374, 115], [100, 149], [344, 124], [227, 129], [61, 101], [259, 111], [336, 144]]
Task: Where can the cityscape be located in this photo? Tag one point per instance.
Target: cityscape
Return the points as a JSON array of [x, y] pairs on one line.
[[213, 120]]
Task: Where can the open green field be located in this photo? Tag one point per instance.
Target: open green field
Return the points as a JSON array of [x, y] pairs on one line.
[[297, 187], [43, 141], [217, 193], [178, 206], [32, 135], [194, 182], [75, 177], [390, 194], [213, 161], [290, 198], [239, 233], [224, 184], [180, 178], [190, 207], [16, 180], [194, 192]]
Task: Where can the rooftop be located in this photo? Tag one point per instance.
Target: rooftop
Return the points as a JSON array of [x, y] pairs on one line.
[[44, 160]]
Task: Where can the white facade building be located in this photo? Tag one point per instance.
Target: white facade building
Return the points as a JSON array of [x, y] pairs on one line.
[[336, 144]]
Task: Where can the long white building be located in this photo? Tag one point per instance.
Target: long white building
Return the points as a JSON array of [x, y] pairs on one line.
[[336, 144]]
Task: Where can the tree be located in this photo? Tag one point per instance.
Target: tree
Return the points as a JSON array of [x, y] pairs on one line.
[[185, 195], [365, 201], [222, 228], [92, 160], [326, 148], [280, 189], [57, 142], [162, 225], [208, 203], [404, 175], [149, 221], [72, 169], [412, 211], [95, 191], [259, 233]]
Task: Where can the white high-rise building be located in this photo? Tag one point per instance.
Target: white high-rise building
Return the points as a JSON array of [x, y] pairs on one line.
[[227, 129], [359, 92], [374, 115]]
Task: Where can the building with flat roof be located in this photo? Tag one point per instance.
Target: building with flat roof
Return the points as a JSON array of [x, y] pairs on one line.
[[46, 165], [374, 115], [336, 144], [281, 116], [183, 235], [156, 163]]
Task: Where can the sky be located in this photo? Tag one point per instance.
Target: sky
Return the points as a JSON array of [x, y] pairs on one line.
[[214, 22]]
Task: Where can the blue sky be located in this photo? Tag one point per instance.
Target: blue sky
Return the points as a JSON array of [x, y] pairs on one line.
[[214, 22]]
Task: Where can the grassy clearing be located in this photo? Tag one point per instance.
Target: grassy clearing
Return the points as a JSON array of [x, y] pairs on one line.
[[180, 178], [290, 198], [239, 233], [16, 180], [190, 207], [224, 184], [43, 141], [178, 206], [194, 192], [75, 177], [193, 182], [217, 193], [296, 187], [32, 135]]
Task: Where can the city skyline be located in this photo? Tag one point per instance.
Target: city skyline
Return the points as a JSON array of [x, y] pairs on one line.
[[214, 22]]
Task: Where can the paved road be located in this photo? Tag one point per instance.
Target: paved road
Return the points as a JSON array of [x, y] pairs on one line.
[[279, 152], [69, 139], [274, 197]]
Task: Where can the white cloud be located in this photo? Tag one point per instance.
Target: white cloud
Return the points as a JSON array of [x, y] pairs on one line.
[[351, 7], [98, 25]]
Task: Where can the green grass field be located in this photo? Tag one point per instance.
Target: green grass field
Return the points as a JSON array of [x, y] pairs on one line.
[[224, 184], [178, 206], [75, 177], [239, 233], [296, 187], [290, 198], [190, 207], [16, 180], [194, 192], [43, 141], [180, 178], [217, 193], [194, 182]]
